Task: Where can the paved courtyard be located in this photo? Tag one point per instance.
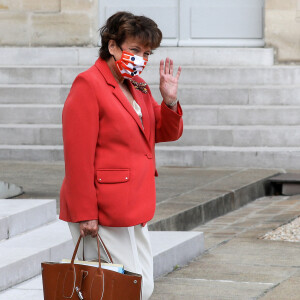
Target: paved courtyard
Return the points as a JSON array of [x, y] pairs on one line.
[[238, 264]]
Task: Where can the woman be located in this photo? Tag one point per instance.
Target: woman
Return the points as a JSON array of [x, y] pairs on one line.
[[110, 126]]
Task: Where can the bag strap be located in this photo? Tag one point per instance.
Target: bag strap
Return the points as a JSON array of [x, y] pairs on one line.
[[83, 249], [105, 250], [98, 246], [75, 252], [104, 247]]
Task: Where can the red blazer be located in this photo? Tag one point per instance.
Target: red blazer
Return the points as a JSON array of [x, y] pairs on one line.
[[109, 157]]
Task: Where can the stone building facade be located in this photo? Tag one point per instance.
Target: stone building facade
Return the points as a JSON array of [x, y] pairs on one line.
[[282, 28], [33, 23]]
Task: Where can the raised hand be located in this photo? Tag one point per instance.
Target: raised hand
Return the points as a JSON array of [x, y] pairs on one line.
[[168, 83]]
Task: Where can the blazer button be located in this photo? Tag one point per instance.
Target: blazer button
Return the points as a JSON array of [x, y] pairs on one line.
[[149, 155]]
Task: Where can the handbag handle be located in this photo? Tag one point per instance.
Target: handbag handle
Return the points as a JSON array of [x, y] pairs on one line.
[[104, 247], [98, 246]]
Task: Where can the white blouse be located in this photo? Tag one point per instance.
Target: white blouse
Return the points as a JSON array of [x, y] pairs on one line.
[[138, 110]]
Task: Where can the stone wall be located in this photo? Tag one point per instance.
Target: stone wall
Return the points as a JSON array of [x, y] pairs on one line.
[[282, 28], [75, 23], [48, 22]]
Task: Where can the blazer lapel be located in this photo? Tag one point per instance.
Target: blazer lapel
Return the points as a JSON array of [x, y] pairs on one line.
[[122, 98], [104, 69], [137, 97]]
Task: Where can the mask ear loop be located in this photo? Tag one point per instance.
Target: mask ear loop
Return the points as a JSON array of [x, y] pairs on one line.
[[120, 49]]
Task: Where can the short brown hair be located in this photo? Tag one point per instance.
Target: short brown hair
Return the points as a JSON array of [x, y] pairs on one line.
[[124, 24]]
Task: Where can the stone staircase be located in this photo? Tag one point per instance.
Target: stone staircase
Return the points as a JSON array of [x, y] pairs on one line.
[[31, 232], [240, 110]]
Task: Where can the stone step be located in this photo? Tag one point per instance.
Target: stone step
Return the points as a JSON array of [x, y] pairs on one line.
[[181, 55], [31, 134], [32, 152], [185, 156], [209, 200], [241, 115], [207, 197], [170, 250], [188, 94], [39, 74], [30, 113], [18, 216], [204, 75], [173, 249], [218, 157], [273, 75], [33, 93], [215, 135], [234, 95], [240, 136], [21, 256], [35, 56], [192, 114]]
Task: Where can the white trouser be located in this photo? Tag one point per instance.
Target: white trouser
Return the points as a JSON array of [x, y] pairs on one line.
[[129, 246]]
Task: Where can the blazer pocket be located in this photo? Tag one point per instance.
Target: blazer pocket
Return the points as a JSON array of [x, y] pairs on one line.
[[113, 175]]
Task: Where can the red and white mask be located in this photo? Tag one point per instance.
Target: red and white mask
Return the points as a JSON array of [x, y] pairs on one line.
[[131, 65]]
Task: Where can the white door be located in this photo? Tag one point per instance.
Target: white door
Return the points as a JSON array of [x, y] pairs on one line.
[[163, 12], [238, 23]]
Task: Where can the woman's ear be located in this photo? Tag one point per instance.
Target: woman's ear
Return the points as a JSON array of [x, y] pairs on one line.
[[112, 47]]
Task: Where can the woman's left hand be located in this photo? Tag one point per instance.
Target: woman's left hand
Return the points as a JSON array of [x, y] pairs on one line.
[[168, 83]]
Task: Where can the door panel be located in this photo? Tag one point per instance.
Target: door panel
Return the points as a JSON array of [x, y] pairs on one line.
[[198, 22]]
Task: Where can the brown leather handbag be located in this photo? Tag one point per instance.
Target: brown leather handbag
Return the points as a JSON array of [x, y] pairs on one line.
[[62, 281]]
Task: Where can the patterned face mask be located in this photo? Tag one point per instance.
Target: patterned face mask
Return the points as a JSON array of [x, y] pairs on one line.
[[131, 65]]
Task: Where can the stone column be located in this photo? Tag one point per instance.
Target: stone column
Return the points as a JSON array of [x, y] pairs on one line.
[[282, 29]]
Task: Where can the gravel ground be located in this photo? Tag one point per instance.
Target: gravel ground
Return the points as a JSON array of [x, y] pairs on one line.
[[289, 232]]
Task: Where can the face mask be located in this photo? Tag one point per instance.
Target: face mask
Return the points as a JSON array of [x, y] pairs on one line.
[[131, 65]]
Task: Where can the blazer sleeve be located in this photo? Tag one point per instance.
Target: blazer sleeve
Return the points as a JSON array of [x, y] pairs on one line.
[[80, 127], [168, 123]]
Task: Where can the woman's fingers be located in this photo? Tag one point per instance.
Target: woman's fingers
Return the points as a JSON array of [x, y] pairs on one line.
[[178, 73], [161, 67], [89, 228], [171, 67], [167, 66], [94, 233]]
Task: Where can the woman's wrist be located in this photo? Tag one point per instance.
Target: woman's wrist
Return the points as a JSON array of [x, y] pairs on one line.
[[173, 107], [171, 103]]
